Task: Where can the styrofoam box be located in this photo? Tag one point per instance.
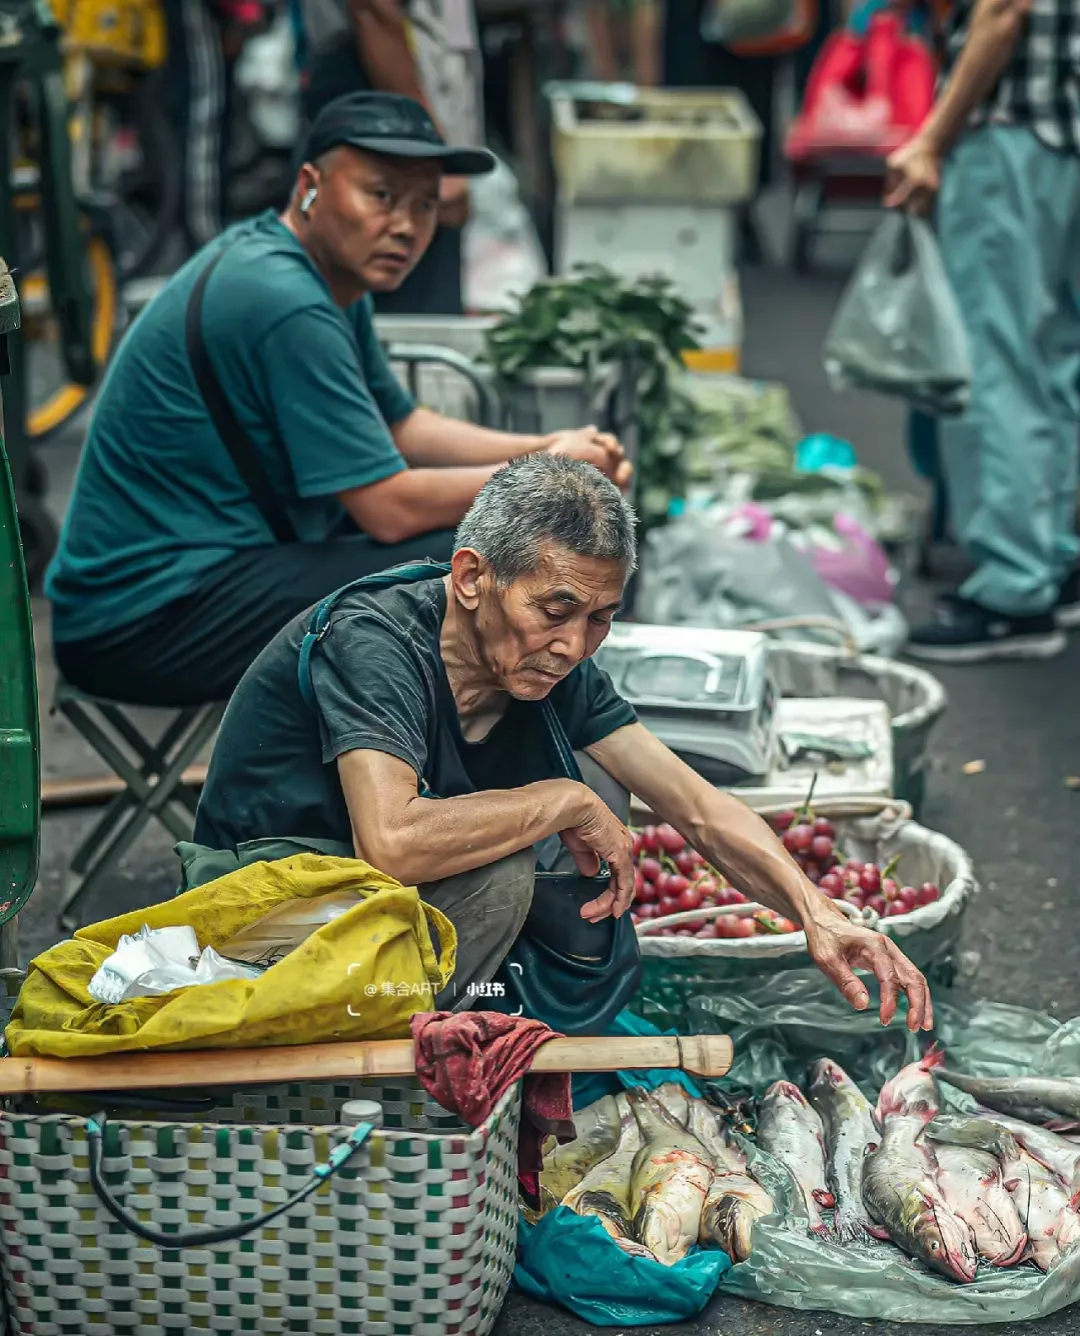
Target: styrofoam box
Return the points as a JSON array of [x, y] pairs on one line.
[[693, 245], [673, 145]]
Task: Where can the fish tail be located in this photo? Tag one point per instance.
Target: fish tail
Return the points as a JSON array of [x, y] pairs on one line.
[[847, 1228], [933, 1058], [821, 1230]]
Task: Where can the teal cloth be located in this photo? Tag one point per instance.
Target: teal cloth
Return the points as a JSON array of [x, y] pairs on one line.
[[1009, 225], [157, 500]]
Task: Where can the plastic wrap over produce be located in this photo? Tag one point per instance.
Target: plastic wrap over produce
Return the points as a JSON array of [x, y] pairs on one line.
[[710, 570], [924, 856], [782, 1024]]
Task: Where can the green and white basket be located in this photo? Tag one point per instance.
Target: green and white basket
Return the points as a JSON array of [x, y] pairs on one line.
[[405, 1230]]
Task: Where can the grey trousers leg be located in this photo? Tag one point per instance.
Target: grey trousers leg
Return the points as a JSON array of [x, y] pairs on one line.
[[488, 905]]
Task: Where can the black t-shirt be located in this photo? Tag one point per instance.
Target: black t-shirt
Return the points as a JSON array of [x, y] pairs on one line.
[[379, 684]]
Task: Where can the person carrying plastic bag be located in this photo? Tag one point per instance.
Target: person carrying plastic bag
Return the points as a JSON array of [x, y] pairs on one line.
[[1000, 153]]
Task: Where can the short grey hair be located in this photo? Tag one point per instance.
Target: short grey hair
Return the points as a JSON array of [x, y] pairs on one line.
[[544, 498]]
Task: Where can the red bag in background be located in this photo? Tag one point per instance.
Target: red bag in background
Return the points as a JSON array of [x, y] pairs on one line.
[[865, 95]]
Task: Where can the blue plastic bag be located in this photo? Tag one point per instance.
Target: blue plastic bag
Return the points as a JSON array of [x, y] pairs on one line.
[[569, 1259]]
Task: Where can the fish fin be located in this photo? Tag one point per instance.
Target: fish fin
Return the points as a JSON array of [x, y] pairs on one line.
[[877, 1232], [933, 1058], [1060, 1125], [822, 1231], [824, 1198]]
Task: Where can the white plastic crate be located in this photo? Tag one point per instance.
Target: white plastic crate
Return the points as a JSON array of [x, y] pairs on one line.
[[668, 145]]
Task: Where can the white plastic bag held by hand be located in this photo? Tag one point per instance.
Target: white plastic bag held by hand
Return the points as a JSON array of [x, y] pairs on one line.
[[898, 329]]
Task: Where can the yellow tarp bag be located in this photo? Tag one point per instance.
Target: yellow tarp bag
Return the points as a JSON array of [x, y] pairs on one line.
[[361, 976]]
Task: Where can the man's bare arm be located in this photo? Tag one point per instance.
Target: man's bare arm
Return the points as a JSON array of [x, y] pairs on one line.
[[996, 26], [383, 47], [742, 845], [414, 501], [418, 840], [431, 440]]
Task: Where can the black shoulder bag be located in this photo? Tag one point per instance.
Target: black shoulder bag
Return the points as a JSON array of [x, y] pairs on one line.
[[235, 439]]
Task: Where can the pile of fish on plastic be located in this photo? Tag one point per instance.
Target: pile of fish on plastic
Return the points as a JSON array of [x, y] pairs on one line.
[[662, 1171]]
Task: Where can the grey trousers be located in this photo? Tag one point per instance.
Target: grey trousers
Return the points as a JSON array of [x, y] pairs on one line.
[[488, 905]]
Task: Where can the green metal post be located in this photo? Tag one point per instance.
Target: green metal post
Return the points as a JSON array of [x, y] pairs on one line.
[[20, 741]]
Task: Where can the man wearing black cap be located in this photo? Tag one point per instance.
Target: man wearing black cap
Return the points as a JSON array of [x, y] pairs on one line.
[[250, 449], [428, 50]]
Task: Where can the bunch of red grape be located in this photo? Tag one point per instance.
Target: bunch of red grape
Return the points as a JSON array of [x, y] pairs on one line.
[[811, 841], [673, 878]]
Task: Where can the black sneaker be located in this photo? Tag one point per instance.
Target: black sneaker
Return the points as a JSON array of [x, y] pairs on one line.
[[1067, 607], [964, 632]]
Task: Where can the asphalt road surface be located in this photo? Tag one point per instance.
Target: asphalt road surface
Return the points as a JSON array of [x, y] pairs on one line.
[[1017, 817]]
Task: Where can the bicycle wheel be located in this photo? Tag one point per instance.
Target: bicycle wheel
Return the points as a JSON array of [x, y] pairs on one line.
[[137, 172], [52, 397]]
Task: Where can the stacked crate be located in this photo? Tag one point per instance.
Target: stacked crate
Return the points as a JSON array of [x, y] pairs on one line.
[[650, 182]]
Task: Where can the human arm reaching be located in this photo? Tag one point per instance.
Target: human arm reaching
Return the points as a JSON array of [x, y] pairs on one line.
[[738, 842]]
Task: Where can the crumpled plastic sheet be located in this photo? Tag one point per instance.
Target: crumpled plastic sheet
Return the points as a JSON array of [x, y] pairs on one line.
[[154, 961], [781, 1024], [701, 573]]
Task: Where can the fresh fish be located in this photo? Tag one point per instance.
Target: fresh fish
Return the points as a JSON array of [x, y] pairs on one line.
[[1051, 1219], [1058, 1153], [736, 1200], [598, 1127], [605, 1190], [913, 1086], [635, 1249], [900, 1188], [790, 1130], [972, 1184], [1037, 1099], [676, 1099], [670, 1180], [851, 1131]]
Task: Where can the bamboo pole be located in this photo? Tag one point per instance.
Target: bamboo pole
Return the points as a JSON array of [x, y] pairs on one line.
[[699, 1055]]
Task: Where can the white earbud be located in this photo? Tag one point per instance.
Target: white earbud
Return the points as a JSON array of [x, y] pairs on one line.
[[308, 200]]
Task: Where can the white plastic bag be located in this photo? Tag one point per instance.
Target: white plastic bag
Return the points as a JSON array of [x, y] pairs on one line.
[[503, 257], [154, 961], [898, 329]]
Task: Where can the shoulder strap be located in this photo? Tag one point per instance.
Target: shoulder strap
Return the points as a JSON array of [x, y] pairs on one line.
[[235, 439], [319, 622]]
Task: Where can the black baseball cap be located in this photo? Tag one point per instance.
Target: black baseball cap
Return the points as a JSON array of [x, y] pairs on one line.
[[393, 125]]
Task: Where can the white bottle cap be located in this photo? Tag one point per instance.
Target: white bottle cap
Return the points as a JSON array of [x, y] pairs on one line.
[[362, 1111]]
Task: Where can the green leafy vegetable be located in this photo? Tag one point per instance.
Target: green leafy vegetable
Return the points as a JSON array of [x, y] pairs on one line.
[[594, 317]]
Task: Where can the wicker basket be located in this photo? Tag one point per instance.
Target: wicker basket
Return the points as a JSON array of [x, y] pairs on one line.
[[410, 1232], [677, 968]]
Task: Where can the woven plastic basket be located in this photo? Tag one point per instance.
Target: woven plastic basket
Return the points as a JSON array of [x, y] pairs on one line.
[[678, 968], [410, 1232]]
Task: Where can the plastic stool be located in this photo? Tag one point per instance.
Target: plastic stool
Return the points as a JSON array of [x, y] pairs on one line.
[[153, 787]]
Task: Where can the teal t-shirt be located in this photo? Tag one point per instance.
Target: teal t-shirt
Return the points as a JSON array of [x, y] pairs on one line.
[[157, 500]]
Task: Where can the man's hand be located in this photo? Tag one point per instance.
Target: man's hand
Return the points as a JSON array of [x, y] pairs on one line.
[[913, 176], [599, 834], [598, 448], [839, 947], [454, 201]]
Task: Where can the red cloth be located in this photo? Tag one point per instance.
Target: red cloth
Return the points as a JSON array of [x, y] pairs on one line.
[[468, 1059]]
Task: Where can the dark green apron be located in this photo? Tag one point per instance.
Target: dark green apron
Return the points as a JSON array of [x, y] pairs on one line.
[[574, 976]]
